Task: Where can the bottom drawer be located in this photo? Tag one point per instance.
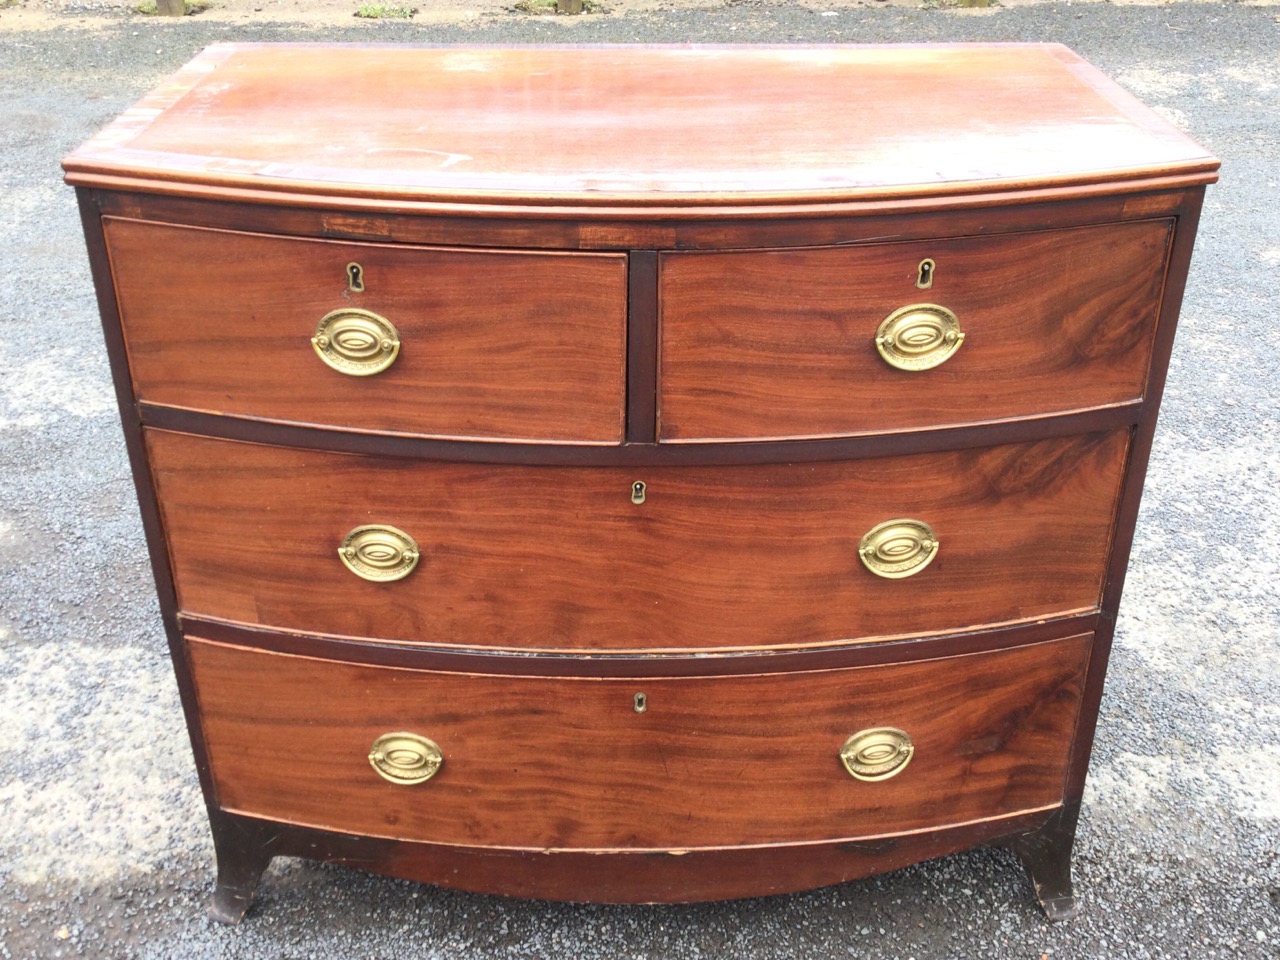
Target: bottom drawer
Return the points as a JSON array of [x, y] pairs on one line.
[[557, 762]]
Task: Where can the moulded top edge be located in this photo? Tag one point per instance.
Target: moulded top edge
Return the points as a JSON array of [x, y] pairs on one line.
[[635, 126]]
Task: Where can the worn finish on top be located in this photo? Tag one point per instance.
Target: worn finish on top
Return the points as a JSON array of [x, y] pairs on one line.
[[635, 126]]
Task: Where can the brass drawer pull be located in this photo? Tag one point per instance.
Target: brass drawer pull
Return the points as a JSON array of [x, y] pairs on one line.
[[405, 757], [379, 553], [898, 548], [877, 754], [918, 337], [358, 343]]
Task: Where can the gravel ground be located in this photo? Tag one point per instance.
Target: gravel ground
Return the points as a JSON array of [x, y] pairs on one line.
[[103, 847]]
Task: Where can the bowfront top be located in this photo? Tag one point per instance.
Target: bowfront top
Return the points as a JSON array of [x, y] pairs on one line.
[[599, 130]]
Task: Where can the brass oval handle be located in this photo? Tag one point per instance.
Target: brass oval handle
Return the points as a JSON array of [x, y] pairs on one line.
[[877, 754], [379, 553], [358, 343], [405, 757], [898, 548], [919, 336]]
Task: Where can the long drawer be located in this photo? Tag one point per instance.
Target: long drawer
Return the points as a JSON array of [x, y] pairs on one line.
[[435, 341], [562, 558], [783, 343], [565, 763]]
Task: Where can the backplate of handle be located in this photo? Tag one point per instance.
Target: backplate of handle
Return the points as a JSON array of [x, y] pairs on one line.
[[898, 548], [877, 753], [919, 337], [379, 552], [356, 342], [405, 758]]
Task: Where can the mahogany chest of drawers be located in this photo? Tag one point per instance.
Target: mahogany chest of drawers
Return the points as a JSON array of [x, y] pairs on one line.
[[639, 474]]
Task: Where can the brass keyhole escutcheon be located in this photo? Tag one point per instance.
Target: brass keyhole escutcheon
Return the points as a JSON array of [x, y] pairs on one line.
[[379, 553], [924, 273], [356, 342], [640, 703], [877, 754], [918, 337], [355, 278], [405, 758], [898, 548], [637, 491]]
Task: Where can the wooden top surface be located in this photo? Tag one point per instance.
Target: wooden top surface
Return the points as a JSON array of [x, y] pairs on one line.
[[635, 126]]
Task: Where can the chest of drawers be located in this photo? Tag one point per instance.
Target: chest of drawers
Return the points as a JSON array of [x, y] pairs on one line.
[[649, 474]]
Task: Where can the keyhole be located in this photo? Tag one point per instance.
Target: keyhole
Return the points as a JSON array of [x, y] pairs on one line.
[[640, 703], [355, 278], [637, 492], [924, 279]]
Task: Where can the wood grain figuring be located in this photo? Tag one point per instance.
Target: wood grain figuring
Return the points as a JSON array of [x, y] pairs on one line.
[[494, 344], [560, 558], [670, 126], [782, 343], [564, 763]]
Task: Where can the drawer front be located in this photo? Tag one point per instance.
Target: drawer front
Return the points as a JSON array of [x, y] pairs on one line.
[[547, 762], [561, 558], [491, 343], [783, 343]]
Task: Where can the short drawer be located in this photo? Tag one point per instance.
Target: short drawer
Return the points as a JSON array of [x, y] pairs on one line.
[[563, 763], [526, 557], [782, 343], [490, 343]]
